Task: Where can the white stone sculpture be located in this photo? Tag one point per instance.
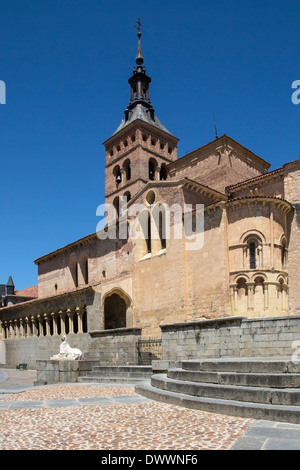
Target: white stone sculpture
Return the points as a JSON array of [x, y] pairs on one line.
[[66, 352], [2, 351]]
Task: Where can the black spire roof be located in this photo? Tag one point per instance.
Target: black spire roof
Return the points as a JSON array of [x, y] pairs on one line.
[[140, 106]]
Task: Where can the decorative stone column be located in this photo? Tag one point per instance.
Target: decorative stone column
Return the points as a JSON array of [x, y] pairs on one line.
[[70, 314], [234, 292], [284, 297], [47, 320], [79, 319], [34, 327], [250, 291], [266, 295], [157, 173], [54, 317], [62, 315], [41, 325], [26, 330], [16, 328]]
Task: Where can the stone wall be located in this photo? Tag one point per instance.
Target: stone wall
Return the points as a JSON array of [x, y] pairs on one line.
[[114, 347], [230, 337]]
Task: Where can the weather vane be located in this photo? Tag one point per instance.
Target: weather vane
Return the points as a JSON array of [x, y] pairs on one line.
[[138, 27]]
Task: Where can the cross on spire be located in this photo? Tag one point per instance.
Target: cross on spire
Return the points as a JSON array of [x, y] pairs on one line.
[[138, 27]]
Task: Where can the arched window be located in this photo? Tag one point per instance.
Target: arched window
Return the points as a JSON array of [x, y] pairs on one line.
[[84, 269], [116, 204], [162, 228], [128, 196], [74, 271], [283, 253], [252, 255], [163, 172], [127, 168], [145, 232], [117, 175], [152, 169], [253, 251]]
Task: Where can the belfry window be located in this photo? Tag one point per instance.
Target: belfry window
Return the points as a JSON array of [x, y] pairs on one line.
[[127, 168], [163, 172], [152, 168], [117, 174]]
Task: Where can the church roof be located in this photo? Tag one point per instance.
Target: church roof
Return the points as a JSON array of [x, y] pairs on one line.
[[140, 112]]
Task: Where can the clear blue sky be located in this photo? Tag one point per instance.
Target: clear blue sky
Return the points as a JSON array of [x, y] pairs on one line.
[[66, 64]]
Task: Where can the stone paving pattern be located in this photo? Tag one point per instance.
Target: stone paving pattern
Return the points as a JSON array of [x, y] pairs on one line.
[[145, 425], [112, 417]]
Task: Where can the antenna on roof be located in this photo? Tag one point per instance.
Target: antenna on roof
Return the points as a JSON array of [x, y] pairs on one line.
[[216, 132]]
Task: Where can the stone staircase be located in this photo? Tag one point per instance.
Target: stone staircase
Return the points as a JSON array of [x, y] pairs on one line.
[[260, 388], [117, 374]]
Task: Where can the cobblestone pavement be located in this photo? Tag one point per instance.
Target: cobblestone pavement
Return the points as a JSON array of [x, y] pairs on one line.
[[113, 417], [107, 417]]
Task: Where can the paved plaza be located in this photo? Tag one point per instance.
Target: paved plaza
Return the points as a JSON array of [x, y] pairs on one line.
[[114, 417]]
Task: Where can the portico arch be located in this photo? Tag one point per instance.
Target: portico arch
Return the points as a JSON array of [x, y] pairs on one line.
[[116, 303]]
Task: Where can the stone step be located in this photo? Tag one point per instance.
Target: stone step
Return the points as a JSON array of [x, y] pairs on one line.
[[115, 380], [120, 371], [250, 379], [117, 374], [290, 397], [282, 413], [246, 365]]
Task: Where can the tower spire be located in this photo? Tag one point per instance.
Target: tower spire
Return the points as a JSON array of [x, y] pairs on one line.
[[139, 57], [140, 106]]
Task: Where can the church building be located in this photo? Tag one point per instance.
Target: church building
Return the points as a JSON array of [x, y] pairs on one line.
[[207, 235]]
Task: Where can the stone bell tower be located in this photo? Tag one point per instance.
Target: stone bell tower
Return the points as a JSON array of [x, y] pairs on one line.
[[141, 148]]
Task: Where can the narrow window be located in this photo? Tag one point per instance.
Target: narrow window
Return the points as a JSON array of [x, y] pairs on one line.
[[163, 172], [152, 168], [162, 228], [149, 234], [252, 250], [127, 168]]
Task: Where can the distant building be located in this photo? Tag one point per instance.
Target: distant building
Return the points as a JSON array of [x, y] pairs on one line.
[[9, 296]]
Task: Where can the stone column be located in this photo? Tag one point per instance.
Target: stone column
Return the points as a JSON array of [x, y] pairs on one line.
[[157, 173], [79, 312], [54, 323], [250, 290], [70, 314], [62, 315], [27, 326], [34, 327], [2, 330], [47, 322], [284, 297], [234, 300], [16, 328], [41, 325], [123, 177], [266, 296]]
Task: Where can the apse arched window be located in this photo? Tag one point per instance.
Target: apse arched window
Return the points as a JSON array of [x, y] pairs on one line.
[[163, 172], [252, 255], [152, 169], [127, 168], [283, 253], [253, 251]]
